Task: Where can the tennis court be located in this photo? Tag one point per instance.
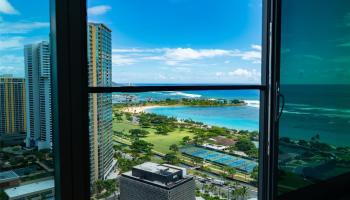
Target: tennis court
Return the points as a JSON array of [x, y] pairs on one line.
[[220, 158]]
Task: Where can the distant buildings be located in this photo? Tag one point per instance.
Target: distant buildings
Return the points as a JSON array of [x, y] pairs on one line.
[[150, 181], [38, 89], [12, 105], [9, 179], [37, 190], [100, 105]]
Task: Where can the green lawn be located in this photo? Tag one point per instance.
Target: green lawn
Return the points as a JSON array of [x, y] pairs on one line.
[[161, 142]]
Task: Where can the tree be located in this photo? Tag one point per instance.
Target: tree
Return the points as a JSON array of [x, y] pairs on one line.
[[231, 171], [174, 148], [99, 186], [255, 174], [140, 146], [244, 144], [171, 158], [117, 147], [235, 194], [138, 133], [186, 140], [128, 116], [244, 192], [303, 143], [3, 195], [110, 186], [163, 130], [254, 153], [125, 165], [198, 161]]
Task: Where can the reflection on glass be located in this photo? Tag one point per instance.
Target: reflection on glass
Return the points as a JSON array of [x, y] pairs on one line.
[[26, 161], [167, 42], [212, 135], [314, 127]]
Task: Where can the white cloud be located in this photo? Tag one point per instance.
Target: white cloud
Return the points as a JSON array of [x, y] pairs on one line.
[[181, 56], [189, 54], [245, 74], [137, 50], [98, 10], [120, 60], [7, 8], [254, 56], [256, 47], [11, 43], [21, 27]]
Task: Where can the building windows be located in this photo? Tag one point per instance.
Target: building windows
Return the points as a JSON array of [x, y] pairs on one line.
[[26, 147]]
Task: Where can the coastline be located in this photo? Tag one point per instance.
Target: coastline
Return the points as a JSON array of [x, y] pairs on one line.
[[140, 109], [230, 122]]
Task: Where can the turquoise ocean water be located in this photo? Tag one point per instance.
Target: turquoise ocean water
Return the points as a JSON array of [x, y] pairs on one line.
[[309, 110]]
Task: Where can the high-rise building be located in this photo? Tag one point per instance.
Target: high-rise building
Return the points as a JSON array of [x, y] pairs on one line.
[[38, 92], [12, 105], [150, 181], [100, 105]]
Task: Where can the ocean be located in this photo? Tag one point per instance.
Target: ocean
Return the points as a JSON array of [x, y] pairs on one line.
[[317, 109], [309, 110]]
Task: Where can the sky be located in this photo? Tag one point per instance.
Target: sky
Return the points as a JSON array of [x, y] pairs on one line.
[[21, 24], [155, 41]]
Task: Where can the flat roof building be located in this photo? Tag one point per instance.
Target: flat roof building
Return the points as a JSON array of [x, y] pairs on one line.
[[8, 179], [150, 181], [38, 190], [12, 105]]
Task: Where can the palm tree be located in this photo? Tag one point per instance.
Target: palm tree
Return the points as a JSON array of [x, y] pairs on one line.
[[235, 194], [244, 192], [231, 171]]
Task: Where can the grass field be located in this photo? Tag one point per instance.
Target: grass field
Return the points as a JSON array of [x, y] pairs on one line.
[[161, 142]]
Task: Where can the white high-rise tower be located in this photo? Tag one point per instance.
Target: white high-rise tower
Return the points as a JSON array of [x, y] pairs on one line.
[[38, 95]]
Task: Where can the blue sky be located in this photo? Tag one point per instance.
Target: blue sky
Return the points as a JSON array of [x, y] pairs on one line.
[[21, 22], [155, 41]]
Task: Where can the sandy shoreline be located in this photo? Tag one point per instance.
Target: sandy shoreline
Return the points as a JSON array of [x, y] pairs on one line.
[[139, 109]]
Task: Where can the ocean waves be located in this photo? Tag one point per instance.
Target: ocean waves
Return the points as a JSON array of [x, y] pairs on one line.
[[189, 95], [252, 103]]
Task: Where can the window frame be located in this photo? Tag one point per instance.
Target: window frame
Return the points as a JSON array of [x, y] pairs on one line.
[[70, 96]]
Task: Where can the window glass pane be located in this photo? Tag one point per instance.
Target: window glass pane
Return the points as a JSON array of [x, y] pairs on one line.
[[191, 143], [26, 159], [175, 41], [314, 127]]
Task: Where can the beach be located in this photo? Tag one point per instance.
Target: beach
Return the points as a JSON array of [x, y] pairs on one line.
[[139, 109]]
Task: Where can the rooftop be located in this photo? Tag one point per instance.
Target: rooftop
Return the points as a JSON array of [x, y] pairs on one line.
[[30, 188], [8, 176], [157, 168], [161, 175]]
